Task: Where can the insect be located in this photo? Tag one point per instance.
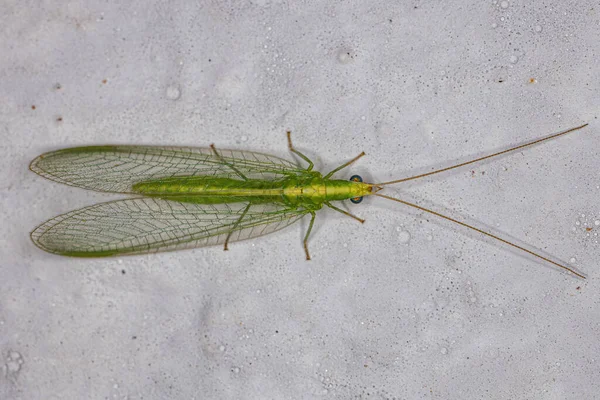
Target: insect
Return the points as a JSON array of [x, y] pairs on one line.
[[190, 197]]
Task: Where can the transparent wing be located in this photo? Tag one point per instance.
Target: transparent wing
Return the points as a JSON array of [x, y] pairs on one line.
[[117, 168], [148, 225]]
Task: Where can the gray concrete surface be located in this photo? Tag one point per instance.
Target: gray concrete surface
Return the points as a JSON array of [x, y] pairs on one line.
[[403, 307]]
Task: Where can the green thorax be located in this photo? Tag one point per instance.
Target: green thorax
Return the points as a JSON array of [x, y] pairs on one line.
[[310, 190]]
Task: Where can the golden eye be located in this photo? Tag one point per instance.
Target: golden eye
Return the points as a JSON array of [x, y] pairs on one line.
[[356, 200], [356, 178]]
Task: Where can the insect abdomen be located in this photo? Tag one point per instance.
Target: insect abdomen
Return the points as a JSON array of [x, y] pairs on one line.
[[208, 190]]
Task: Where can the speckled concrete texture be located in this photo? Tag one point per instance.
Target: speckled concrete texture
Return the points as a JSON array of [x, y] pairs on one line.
[[405, 306]]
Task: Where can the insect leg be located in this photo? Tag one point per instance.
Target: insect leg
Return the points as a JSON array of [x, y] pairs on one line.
[[329, 175], [328, 204], [302, 156], [212, 146], [235, 226], [310, 226]]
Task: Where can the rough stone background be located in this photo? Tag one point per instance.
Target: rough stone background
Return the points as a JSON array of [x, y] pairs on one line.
[[403, 307]]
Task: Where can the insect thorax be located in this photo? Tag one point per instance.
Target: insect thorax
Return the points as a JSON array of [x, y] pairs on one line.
[[315, 191]]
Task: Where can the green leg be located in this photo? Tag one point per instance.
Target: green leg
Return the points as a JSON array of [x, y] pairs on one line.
[[212, 146], [328, 204], [329, 175], [310, 226], [302, 156], [235, 226]]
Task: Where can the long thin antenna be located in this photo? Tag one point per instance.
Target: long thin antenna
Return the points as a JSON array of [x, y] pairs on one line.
[[485, 157], [480, 231]]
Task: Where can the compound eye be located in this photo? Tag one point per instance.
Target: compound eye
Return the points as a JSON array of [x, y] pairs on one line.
[[356, 178]]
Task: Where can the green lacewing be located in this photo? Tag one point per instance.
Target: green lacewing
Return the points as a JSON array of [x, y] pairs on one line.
[[187, 197]]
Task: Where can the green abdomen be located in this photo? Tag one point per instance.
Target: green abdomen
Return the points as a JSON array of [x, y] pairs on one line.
[[208, 190]]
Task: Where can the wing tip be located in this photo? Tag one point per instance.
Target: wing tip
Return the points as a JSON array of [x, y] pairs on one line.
[[37, 237], [34, 165], [40, 231], [49, 237]]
